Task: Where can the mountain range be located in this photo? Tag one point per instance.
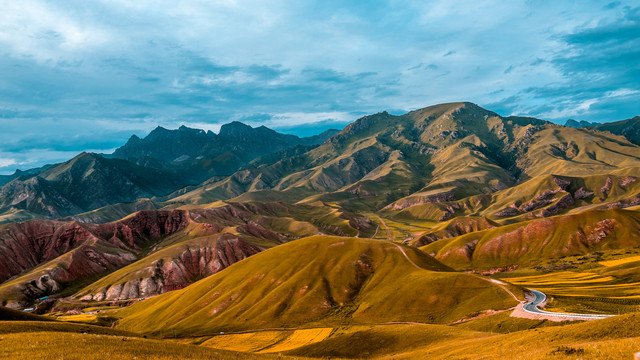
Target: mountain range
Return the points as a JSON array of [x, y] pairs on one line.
[[162, 162], [399, 228]]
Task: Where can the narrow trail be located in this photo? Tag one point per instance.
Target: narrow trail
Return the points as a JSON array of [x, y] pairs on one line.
[[389, 233], [407, 257], [376, 233], [501, 284], [493, 281]]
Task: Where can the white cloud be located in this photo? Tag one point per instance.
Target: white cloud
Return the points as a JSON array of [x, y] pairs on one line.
[[146, 63], [36, 29], [4, 162], [299, 118], [569, 108]]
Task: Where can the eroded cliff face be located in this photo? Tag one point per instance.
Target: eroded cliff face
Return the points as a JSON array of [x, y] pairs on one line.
[[170, 249], [71, 251], [172, 273], [26, 245], [142, 228], [83, 262]]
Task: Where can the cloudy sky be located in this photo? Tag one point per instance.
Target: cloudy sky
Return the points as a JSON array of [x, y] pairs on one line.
[[85, 75]]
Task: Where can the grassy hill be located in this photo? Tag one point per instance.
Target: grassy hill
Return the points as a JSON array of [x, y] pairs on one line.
[[614, 338], [319, 280], [57, 340], [151, 252], [535, 241]]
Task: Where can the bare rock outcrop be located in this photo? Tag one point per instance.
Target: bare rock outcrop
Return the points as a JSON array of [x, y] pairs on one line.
[[79, 250], [187, 267]]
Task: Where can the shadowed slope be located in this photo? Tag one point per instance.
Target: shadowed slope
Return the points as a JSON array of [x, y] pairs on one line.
[[629, 128], [84, 183]]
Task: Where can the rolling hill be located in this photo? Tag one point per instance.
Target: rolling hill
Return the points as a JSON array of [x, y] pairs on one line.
[[164, 250], [319, 280], [535, 241]]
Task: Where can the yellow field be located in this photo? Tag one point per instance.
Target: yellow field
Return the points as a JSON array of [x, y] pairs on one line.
[[300, 338], [57, 345], [268, 341], [86, 318], [616, 262], [570, 283], [561, 278], [248, 342]]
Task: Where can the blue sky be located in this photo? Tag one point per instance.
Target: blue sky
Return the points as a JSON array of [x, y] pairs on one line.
[[85, 75]]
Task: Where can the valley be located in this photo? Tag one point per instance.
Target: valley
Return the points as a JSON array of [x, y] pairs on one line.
[[402, 236]]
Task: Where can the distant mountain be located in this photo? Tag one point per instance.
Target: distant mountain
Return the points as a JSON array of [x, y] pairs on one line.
[[20, 174], [629, 128], [442, 156], [200, 155], [84, 183], [579, 123], [161, 163], [433, 163]]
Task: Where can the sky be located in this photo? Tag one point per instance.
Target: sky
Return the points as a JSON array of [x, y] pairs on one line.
[[86, 75]]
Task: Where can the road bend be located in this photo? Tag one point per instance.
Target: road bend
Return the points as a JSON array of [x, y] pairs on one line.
[[540, 297]]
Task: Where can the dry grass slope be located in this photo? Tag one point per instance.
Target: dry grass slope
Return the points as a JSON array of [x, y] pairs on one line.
[[318, 281]]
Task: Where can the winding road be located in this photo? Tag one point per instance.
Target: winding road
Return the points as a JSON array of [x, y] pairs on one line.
[[540, 297]]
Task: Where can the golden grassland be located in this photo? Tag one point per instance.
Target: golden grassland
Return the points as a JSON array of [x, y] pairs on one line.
[[58, 345], [613, 338], [616, 262], [398, 230], [269, 341], [336, 297], [319, 281], [376, 341], [20, 326]]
